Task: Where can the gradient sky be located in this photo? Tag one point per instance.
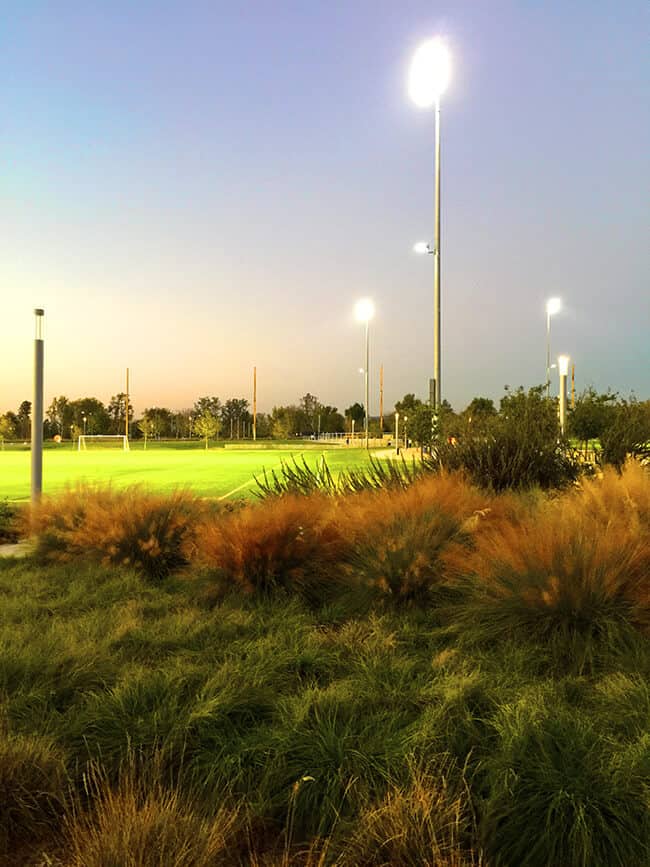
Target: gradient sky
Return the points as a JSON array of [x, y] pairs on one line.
[[191, 188]]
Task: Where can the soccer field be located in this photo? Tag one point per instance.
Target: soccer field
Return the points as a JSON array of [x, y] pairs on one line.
[[214, 473]]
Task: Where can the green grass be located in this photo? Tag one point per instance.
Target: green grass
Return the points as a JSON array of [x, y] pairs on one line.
[[309, 719], [214, 473]]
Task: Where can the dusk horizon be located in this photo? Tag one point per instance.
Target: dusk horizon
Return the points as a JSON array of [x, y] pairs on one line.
[[191, 192]]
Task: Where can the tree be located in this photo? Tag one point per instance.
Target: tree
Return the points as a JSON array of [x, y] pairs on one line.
[[310, 408], [628, 433], [207, 426], [207, 404], [117, 413], [591, 415], [408, 404], [234, 413], [23, 416], [7, 429], [356, 413], [145, 426], [420, 425], [60, 414]]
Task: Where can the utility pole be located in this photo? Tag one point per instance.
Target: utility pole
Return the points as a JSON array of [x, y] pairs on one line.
[[381, 401], [254, 404], [126, 407]]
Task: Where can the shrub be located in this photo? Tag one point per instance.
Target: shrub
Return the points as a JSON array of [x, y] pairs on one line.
[[519, 448], [150, 532], [9, 522], [287, 544], [560, 578], [628, 433], [33, 785]]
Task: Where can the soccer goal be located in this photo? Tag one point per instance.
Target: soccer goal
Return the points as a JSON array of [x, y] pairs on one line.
[[103, 441]]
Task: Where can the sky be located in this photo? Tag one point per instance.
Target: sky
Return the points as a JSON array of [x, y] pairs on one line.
[[193, 188]]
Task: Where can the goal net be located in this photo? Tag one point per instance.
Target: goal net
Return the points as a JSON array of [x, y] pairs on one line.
[[103, 441]]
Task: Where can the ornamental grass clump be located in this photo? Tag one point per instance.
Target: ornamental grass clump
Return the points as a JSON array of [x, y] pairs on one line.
[[145, 823], [563, 578], [33, 789], [152, 533], [289, 543]]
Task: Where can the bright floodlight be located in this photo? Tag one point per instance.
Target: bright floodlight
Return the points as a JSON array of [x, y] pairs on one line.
[[563, 365], [364, 310], [553, 306], [421, 247], [430, 72]]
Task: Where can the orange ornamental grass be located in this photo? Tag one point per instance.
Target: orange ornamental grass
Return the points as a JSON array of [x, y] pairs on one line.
[[149, 532], [563, 574], [288, 543]]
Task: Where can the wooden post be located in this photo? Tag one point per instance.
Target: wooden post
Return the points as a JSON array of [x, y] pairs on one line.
[[254, 404], [126, 407], [381, 401], [573, 386]]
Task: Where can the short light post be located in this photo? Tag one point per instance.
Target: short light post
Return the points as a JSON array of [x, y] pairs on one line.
[[72, 434], [553, 306], [364, 311], [37, 409], [84, 419], [396, 433], [352, 431], [406, 440], [563, 368]]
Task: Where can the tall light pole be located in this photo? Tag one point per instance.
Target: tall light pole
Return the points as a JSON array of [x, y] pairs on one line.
[[364, 311], [553, 306], [37, 409], [428, 79], [563, 368]]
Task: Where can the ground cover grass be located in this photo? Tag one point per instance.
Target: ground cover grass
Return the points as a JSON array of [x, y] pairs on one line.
[[475, 691], [210, 474]]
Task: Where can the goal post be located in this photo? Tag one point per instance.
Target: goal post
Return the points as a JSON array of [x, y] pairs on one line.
[[119, 441]]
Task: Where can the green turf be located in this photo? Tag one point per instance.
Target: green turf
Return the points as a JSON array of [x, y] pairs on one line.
[[213, 473]]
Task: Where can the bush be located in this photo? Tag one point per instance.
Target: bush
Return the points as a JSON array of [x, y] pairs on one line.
[[151, 532], [9, 522], [628, 433], [517, 449], [33, 786]]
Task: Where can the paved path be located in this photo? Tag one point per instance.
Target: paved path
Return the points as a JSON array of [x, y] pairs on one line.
[[17, 549]]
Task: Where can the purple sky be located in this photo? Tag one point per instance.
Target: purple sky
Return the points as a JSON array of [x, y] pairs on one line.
[[191, 188]]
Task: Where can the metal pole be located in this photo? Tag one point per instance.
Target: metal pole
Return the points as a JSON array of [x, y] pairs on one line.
[[396, 433], [548, 354], [563, 378], [436, 270], [573, 386], [37, 410], [367, 397]]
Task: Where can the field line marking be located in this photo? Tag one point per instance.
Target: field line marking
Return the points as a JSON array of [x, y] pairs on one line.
[[246, 484]]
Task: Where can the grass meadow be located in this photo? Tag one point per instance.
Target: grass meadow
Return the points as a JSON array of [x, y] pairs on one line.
[[212, 473], [434, 675]]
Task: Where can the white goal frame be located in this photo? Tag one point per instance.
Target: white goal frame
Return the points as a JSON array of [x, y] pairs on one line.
[[81, 445]]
